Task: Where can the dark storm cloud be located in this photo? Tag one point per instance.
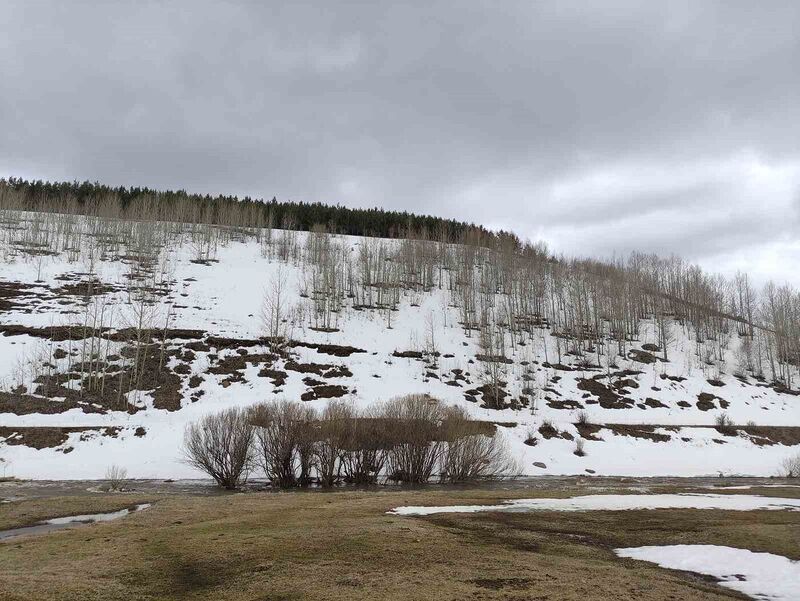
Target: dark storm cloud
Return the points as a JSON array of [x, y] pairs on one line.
[[599, 127]]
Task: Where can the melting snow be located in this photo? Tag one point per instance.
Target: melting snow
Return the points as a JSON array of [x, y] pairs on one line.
[[749, 486], [619, 502], [96, 517], [760, 575], [69, 521]]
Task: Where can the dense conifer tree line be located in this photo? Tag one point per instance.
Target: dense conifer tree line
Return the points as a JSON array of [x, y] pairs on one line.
[[89, 198]]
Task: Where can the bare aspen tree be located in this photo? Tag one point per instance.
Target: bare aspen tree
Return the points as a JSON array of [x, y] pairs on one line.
[[275, 305], [430, 338], [494, 366]]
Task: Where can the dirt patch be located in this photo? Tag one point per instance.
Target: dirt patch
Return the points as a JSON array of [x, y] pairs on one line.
[[564, 404], [183, 334], [557, 366], [335, 350], [320, 369], [407, 354], [151, 335], [771, 435], [638, 431], [494, 359], [705, 402], [197, 345], [54, 333], [221, 342], [623, 383], [78, 332], [548, 431], [233, 366], [12, 293], [167, 395], [327, 391], [25, 404], [492, 397], [626, 373], [152, 375], [608, 398], [85, 288], [182, 369], [589, 431], [277, 376], [48, 438], [642, 356]]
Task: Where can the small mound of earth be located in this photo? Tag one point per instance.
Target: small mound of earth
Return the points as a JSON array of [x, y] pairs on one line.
[[327, 391], [705, 402], [642, 356]]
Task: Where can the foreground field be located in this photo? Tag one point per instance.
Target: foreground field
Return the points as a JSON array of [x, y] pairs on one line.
[[343, 545]]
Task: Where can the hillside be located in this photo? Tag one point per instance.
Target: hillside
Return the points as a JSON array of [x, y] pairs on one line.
[[118, 333]]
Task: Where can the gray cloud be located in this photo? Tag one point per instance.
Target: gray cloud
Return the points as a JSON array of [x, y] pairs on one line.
[[601, 128]]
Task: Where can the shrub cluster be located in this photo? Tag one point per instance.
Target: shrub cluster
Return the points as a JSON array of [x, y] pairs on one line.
[[724, 424], [791, 467], [410, 439]]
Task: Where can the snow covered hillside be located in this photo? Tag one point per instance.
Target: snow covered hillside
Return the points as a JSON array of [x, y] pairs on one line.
[[116, 334]]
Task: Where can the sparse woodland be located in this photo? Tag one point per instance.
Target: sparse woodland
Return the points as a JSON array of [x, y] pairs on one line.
[[505, 290], [514, 301]]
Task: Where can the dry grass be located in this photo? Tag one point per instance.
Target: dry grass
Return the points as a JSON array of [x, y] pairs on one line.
[[343, 546]]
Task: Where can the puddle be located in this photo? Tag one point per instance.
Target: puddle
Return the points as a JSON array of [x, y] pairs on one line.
[[619, 503], [759, 575], [72, 521]]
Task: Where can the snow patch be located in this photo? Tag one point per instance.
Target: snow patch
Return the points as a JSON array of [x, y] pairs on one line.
[[96, 517], [619, 503], [760, 575]]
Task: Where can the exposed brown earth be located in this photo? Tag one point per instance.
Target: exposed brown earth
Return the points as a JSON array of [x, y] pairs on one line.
[[49, 437]]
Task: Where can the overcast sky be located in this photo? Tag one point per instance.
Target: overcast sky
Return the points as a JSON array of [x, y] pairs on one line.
[[599, 127]]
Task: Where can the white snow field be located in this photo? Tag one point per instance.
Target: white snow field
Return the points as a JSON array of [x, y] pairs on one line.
[[759, 575], [217, 287], [619, 503]]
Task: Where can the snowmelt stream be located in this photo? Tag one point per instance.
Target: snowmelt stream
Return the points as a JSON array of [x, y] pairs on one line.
[[70, 521]]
